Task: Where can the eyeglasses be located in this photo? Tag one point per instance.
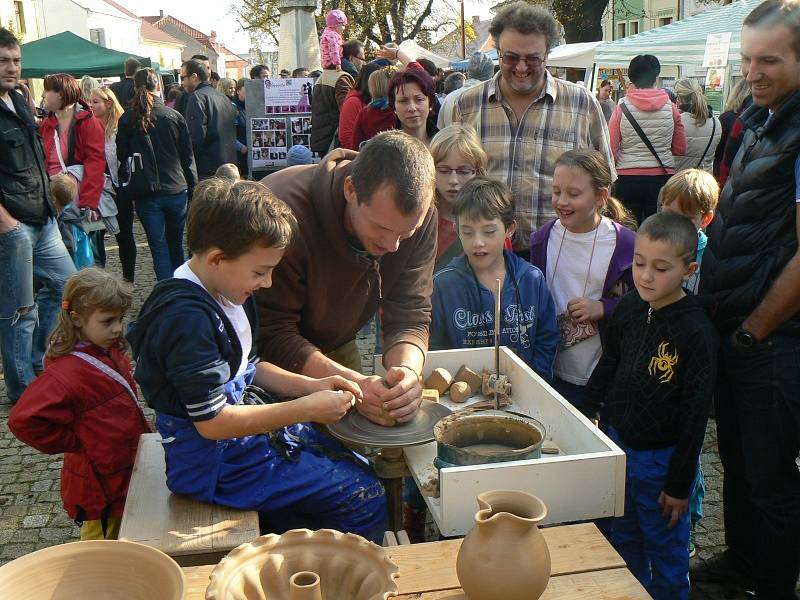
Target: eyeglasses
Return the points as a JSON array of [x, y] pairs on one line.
[[511, 60], [460, 173]]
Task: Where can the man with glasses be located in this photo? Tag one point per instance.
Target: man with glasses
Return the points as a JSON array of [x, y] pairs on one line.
[[353, 57], [526, 118]]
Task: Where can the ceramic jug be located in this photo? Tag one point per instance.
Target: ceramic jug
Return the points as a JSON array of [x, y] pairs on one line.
[[505, 556]]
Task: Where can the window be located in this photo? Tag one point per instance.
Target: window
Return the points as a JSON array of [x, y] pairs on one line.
[[19, 18], [634, 27], [98, 36], [621, 30], [664, 21]]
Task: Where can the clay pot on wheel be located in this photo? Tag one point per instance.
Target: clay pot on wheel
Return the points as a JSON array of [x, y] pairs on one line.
[[505, 556]]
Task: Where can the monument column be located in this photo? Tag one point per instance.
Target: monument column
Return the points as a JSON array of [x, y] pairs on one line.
[[299, 42]]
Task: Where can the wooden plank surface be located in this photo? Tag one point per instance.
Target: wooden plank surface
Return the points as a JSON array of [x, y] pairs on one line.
[[176, 524], [611, 584], [432, 566]]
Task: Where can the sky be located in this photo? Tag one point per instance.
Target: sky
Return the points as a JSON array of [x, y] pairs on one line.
[[206, 15]]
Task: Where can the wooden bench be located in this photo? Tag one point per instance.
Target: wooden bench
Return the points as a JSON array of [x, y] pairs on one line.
[[191, 532]]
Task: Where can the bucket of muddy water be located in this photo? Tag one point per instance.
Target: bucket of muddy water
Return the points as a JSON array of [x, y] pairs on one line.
[[480, 437]]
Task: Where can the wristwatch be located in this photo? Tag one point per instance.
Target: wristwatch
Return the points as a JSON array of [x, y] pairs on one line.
[[744, 338]]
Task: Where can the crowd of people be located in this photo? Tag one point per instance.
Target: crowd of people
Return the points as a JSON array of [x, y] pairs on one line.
[[596, 217]]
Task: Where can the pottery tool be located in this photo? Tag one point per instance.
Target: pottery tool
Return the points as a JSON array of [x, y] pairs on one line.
[[497, 344]]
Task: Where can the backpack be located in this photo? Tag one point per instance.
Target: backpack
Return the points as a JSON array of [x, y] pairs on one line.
[[142, 167]]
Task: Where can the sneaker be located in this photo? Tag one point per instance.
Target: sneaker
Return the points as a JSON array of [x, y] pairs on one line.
[[721, 569], [692, 547]]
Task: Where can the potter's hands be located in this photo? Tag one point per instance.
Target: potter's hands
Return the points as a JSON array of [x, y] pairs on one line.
[[325, 407], [673, 508], [399, 394], [585, 309], [333, 383]]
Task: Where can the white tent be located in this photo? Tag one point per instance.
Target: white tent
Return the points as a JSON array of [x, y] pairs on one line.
[[683, 42], [579, 56], [415, 51]]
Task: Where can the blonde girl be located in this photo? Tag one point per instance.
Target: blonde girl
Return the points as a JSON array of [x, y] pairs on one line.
[[703, 129], [84, 405], [586, 255], [458, 156], [106, 107]]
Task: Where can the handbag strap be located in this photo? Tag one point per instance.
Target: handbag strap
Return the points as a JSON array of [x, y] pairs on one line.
[[711, 139], [104, 368], [641, 133]]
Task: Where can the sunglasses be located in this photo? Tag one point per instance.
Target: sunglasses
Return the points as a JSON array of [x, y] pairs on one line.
[[511, 60]]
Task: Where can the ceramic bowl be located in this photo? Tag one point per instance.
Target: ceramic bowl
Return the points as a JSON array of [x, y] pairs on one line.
[[348, 567], [93, 570]]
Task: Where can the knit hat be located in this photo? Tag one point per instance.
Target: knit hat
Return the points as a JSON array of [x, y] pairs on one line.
[[299, 155], [335, 17], [480, 67]]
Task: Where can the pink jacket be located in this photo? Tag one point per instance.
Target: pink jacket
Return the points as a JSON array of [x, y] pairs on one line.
[[647, 100], [330, 48]]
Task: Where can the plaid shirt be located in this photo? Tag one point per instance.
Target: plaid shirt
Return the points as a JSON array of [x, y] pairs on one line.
[[564, 117]]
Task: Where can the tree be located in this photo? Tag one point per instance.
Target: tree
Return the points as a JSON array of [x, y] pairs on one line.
[[582, 19], [378, 21]]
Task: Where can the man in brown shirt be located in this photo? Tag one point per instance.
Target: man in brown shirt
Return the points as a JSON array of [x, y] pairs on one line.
[[366, 240]]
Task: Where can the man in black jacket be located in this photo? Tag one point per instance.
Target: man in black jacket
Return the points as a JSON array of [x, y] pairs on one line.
[[29, 239], [211, 119], [123, 90], [752, 267]]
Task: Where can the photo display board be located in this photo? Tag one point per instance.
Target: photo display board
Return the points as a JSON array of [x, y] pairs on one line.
[[278, 117]]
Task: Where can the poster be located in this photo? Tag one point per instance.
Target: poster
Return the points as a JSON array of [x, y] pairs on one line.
[[717, 47], [301, 131], [269, 141], [287, 96], [715, 79]]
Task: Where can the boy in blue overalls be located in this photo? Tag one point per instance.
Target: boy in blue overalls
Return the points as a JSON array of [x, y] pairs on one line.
[[225, 440]]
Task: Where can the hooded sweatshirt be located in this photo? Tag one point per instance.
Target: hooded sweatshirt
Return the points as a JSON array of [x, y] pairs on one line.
[[661, 122], [655, 381], [186, 350], [326, 288], [463, 312]]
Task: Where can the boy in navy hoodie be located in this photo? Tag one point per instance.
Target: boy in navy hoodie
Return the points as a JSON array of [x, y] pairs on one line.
[[225, 440], [463, 291], [655, 381]]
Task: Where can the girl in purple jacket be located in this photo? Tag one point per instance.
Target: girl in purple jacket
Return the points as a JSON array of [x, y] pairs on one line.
[[586, 256]]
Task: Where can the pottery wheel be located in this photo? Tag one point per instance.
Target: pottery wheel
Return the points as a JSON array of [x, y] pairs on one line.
[[354, 428]]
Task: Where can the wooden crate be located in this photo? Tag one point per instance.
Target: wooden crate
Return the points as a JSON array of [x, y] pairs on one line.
[[585, 481]]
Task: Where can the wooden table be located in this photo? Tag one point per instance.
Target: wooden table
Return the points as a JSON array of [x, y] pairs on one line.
[[584, 566]]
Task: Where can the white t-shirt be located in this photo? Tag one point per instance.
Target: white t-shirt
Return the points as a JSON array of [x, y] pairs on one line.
[[234, 312], [9, 102], [566, 281]]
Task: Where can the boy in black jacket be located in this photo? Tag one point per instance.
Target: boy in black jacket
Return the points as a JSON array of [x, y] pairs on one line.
[[654, 384]]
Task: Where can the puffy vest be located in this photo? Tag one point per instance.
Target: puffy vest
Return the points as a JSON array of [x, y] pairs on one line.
[[753, 235], [658, 126], [697, 141]]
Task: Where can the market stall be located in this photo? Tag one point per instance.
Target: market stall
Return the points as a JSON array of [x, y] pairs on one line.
[[68, 53]]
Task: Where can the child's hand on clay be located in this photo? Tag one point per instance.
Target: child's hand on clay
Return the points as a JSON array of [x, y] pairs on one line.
[[327, 406], [334, 383]]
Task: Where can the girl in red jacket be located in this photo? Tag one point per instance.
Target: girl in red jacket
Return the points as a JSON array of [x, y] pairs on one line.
[[84, 404]]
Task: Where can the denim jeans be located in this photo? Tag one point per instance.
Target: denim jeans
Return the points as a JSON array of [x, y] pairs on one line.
[[658, 557], [163, 219], [26, 251], [758, 431]]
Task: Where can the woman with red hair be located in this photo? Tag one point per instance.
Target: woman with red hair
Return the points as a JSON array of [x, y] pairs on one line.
[[412, 96]]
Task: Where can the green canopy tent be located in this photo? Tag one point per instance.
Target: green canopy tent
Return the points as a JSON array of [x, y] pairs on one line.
[[69, 53]]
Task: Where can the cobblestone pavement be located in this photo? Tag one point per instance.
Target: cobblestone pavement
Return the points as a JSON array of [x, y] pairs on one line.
[[31, 515]]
